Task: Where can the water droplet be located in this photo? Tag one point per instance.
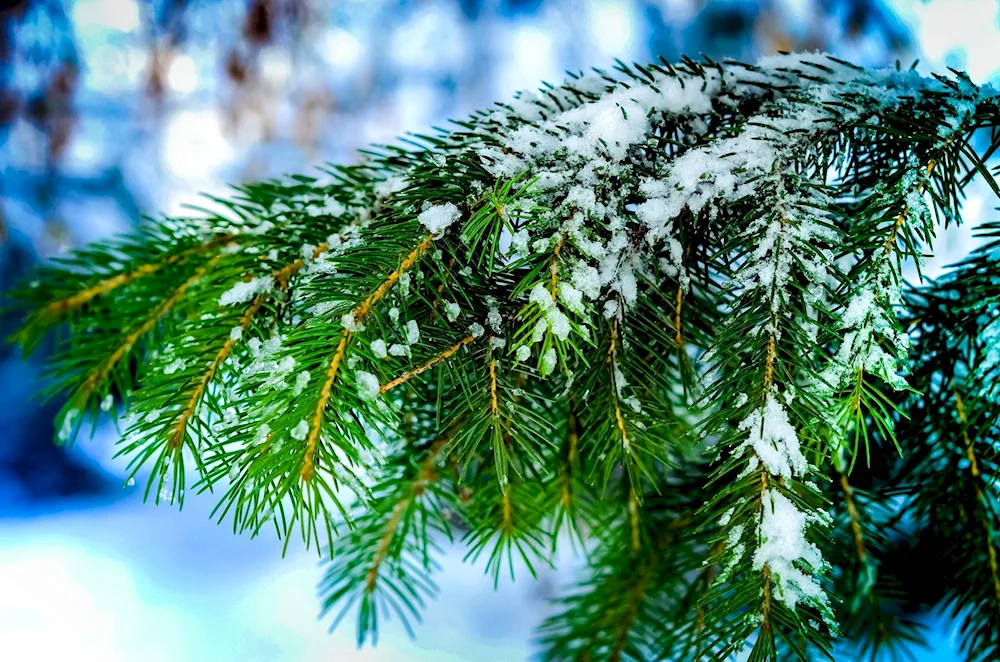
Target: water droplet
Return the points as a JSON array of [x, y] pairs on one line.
[[130, 482]]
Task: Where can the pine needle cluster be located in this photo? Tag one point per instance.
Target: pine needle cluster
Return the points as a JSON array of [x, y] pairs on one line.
[[657, 313]]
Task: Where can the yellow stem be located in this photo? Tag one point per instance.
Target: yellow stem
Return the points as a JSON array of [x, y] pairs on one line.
[[574, 438], [772, 353], [281, 276], [572, 441], [974, 470], [554, 266], [614, 342], [425, 475], [177, 433], [633, 512], [494, 404], [678, 338], [308, 462], [621, 425], [405, 377], [765, 624], [508, 524], [109, 284], [612, 360], [95, 378], [901, 219], [859, 541]]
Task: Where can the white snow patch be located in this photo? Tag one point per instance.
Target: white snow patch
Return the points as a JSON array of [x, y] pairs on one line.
[[244, 291], [173, 366], [773, 439], [547, 363], [379, 349], [412, 332], [368, 386], [452, 310], [439, 218], [300, 431], [785, 550], [301, 381]]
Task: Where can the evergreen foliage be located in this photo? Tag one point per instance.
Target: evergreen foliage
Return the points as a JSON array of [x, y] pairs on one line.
[[658, 314]]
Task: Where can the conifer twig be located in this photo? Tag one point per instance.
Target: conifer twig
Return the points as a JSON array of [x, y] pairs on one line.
[[981, 497], [443, 356], [101, 288], [91, 383], [359, 315]]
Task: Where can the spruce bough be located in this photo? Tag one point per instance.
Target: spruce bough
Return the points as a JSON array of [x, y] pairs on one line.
[[657, 314]]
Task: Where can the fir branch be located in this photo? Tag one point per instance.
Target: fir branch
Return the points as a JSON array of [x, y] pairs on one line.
[[988, 532], [586, 292], [425, 475], [143, 263], [81, 298], [852, 510], [358, 315], [281, 278], [385, 562], [82, 397], [443, 356]]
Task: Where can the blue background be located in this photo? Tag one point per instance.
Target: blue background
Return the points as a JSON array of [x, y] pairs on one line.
[[114, 108]]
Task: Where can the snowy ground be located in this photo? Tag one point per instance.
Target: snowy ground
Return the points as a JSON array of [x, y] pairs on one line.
[[127, 581]]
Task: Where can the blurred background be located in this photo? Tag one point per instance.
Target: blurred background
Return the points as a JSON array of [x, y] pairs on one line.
[[111, 109]]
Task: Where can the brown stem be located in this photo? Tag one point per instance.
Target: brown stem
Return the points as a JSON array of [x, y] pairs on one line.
[[96, 377], [678, 338], [859, 541], [308, 462], [424, 476], [974, 470], [407, 376], [109, 284]]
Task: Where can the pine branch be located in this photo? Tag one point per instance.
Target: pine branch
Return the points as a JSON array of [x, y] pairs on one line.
[[545, 320], [384, 564]]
